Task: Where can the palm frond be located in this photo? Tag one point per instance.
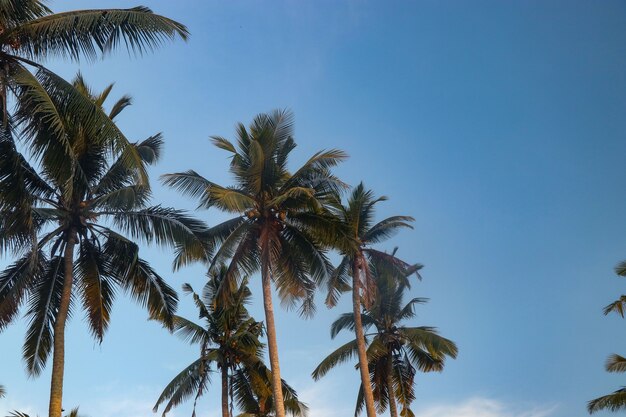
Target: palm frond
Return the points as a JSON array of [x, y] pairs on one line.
[[96, 288], [612, 402], [616, 363], [89, 32], [136, 277], [427, 349], [338, 282], [346, 322], [616, 307], [15, 282], [191, 380], [43, 305], [15, 12], [189, 331], [48, 104], [385, 229], [342, 354], [119, 106], [162, 225]]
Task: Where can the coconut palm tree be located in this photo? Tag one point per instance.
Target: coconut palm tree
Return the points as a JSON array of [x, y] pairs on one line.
[[356, 233], [229, 341], [30, 34], [615, 363], [71, 242], [279, 223], [3, 391], [395, 350]]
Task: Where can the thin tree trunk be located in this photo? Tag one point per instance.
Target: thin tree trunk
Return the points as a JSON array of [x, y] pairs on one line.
[[368, 395], [277, 390], [58, 355], [225, 412], [392, 395]]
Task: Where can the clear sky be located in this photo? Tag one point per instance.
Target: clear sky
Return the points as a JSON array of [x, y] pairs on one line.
[[499, 125]]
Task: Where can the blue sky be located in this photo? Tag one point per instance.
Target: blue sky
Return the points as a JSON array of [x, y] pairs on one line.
[[498, 125]]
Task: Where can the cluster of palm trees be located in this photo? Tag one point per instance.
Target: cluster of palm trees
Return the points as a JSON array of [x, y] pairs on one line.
[[74, 206]]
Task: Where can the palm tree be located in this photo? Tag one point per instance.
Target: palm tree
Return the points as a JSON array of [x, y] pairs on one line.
[[30, 33], [357, 233], [228, 339], [69, 200], [615, 363], [395, 351], [279, 219], [3, 391]]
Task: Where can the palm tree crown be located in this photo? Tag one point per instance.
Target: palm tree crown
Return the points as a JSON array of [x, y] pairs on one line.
[[395, 350]]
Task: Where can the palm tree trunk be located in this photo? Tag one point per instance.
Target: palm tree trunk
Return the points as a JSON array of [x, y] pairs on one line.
[[279, 405], [368, 395], [58, 356], [392, 395], [225, 412]]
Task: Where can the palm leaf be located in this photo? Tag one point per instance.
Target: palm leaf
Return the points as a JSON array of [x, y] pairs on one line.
[[15, 281], [193, 379], [612, 402], [189, 331], [616, 307], [346, 322], [86, 32], [342, 354], [43, 305], [96, 288], [165, 226], [385, 229], [338, 282], [136, 276], [616, 363], [48, 104], [15, 12]]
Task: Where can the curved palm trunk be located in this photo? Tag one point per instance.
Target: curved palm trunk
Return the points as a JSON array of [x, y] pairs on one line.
[[392, 395], [368, 395], [225, 411], [272, 346], [58, 356]]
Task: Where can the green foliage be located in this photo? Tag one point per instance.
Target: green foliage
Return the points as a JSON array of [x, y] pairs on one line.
[[31, 33], [355, 233], [85, 191], [229, 340], [395, 351], [281, 224], [615, 363]]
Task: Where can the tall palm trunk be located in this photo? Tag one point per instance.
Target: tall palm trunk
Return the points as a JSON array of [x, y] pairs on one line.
[[225, 386], [279, 405], [58, 356], [392, 394], [360, 342]]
